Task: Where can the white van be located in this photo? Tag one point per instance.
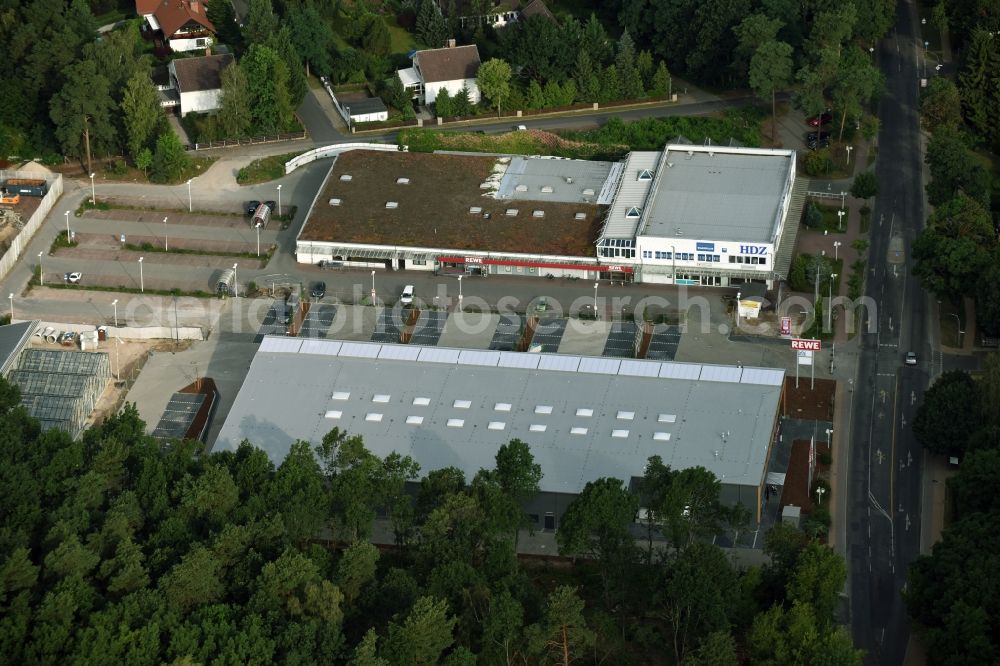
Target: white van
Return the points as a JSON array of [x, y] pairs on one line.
[[406, 298]]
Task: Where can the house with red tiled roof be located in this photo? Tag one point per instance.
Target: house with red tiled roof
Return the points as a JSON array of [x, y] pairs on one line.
[[183, 24], [453, 68]]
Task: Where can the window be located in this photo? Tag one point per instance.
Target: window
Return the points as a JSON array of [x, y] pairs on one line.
[[732, 260], [716, 258], [419, 262], [647, 254], [701, 257], [645, 174]]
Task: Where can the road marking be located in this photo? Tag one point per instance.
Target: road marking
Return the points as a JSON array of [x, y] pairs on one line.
[[879, 455], [907, 517], [913, 397], [886, 374]]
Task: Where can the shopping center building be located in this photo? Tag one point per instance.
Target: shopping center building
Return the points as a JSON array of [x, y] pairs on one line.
[[707, 215]]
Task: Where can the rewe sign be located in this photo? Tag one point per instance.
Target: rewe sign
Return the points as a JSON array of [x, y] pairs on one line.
[[805, 345]]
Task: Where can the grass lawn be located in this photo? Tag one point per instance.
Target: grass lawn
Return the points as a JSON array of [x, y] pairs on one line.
[[830, 221], [196, 167], [402, 41], [264, 169]]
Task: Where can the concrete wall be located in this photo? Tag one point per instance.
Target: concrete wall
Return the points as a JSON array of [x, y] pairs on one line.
[[332, 151], [20, 242], [200, 101]]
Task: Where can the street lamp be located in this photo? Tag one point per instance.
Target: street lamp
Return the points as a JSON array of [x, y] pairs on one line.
[[736, 309], [459, 293], [166, 242], [673, 261], [279, 200], [840, 220], [114, 304], [258, 240], [41, 270], [958, 322], [93, 191], [190, 205], [596, 316], [236, 282], [819, 495], [11, 307], [373, 287], [836, 244], [142, 285], [849, 149], [833, 276], [67, 226]]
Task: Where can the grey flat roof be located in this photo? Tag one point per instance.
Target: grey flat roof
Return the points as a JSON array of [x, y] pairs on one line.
[[568, 180], [360, 107], [457, 407], [13, 338], [718, 193]]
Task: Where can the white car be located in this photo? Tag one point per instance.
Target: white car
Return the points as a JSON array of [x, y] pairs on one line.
[[911, 358], [406, 298], [74, 277], [520, 128]]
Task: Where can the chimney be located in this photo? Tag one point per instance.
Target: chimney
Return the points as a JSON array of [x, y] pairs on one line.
[[451, 43], [194, 6]]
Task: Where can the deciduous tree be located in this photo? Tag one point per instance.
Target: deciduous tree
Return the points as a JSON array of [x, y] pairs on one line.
[[771, 71], [141, 112], [949, 414], [941, 104], [494, 81]]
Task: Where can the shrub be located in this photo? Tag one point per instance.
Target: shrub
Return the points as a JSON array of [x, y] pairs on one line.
[[797, 279], [116, 168], [812, 216], [819, 162]]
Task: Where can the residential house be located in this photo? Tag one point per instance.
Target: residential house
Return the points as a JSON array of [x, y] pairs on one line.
[[452, 68], [497, 13], [365, 110], [537, 8], [198, 81], [182, 25]]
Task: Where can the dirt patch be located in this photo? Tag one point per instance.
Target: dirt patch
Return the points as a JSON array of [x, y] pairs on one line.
[[221, 218], [109, 242], [809, 403], [796, 491]]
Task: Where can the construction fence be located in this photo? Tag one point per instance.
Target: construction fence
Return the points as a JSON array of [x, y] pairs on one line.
[[20, 242]]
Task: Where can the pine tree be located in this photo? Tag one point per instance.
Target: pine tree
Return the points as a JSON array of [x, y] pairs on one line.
[[536, 98], [633, 84], [611, 85], [660, 85], [586, 77], [980, 85], [442, 104], [625, 59]]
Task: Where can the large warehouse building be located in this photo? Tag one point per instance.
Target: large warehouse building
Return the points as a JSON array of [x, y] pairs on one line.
[[707, 215], [584, 417]]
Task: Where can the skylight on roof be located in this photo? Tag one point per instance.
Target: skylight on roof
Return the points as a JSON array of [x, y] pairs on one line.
[[334, 414], [341, 395], [546, 189], [373, 416], [403, 181], [334, 202], [462, 404], [456, 423], [381, 397], [577, 430], [645, 174], [475, 210], [511, 212], [580, 216], [633, 212], [585, 411], [543, 409], [538, 213], [414, 420], [667, 418], [619, 434], [421, 402], [346, 177], [392, 204], [502, 407], [537, 427], [661, 436], [497, 425], [626, 416]]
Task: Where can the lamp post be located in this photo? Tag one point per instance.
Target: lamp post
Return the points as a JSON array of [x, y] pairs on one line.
[[279, 200], [41, 270], [166, 241], [673, 261], [459, 293], [958, 322], [93, 190], [596, 316], [833, 276], [67, 226], [142, 285], [373, 287], [819, 495], [836, 244], [849, 149], [840, 220], [736, 310], [258, 240], [190, 205], [236, 282], [11, 307], [114, 304], [118, 361]]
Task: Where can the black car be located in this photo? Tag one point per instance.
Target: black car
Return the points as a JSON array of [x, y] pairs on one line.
[[252, 207], [818, 143], [272, 205], [818, 136], [318, 290]]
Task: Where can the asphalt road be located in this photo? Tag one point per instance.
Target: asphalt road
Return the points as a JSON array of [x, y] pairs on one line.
[[885, 460]]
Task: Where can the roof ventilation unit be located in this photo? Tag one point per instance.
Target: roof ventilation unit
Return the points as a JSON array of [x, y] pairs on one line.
[[580, 216], [475, 210], [521, 188], [346, 177], [569, 181], [511, 212], [403, 181], [589, 192], [392, 204], [334, 202], [538, 213], [546, 189]]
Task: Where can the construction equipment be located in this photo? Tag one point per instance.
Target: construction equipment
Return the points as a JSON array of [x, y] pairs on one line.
[[29, 186]]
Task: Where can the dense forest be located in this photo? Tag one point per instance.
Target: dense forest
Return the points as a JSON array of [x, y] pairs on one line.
[[117, 549]]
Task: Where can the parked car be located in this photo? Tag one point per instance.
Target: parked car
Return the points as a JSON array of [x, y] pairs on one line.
[[521, 128], [820, 143], [406, 298], [911, 358], [318, 290], [820, 120], [74, 277], [252, 207], [814, 136]]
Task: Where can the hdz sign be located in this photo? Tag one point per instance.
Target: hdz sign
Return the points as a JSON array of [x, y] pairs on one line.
[[753, 249], [805, 345]]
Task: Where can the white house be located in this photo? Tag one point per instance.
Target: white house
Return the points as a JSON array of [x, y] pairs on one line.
[[453, 68], [183, 24], [369, 110], [198, 81]]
